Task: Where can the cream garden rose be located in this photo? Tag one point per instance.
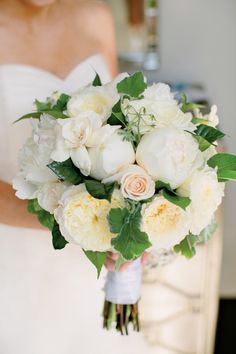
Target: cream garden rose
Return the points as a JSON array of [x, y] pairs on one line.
[[165, 223], [110, 156], [135, 183], [83, 219], [98, 99], [206, 194], [169, 155]]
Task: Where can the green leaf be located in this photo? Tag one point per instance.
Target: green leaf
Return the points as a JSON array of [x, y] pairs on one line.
[[162, 185], [224, 176], [187, 247], [61, 104], [97, 258], [42, 106], [46, 219], [207, 233], [116, 218], [182, 202], [33, 206], [67, 171], [100, 190], [35, 115], [97, 80], [196, 120], [209, 133], [117, 117], [203, 143], [130, 241], [58, 239], [226, 166], [120, 261], [189, 106], [133, 85]]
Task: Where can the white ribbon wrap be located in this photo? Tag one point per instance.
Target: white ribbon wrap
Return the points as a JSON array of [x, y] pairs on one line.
[[124, 287]]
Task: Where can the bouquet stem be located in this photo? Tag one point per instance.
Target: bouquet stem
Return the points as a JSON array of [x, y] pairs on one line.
[[120, 316]]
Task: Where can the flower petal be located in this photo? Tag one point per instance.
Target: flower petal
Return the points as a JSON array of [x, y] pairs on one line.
[[24, 189], [99, 136], [80, 158]]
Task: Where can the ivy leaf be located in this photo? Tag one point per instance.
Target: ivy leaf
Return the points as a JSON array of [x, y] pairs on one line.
[[46, 219], [225, 164], [189, 106], [207, 233], [35, 115], [163, 185], [182, 202], [203, 143], [209, 133], [58, 239], [196, 120], [97, 258], [120, 261], [100, 190], [117, 218], [117, 117], [133, 85], [187, 247], [61, 104], [33, 206], [42, 106], [67, 171], [130, 241], [97, 80]]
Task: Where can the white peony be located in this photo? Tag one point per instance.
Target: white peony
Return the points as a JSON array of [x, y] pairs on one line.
[[135, 183], [169, 155], [160, 92], [157, 109], [211, 118], [110, 156], [165, 223], [206, 194], [76, 135], [49, 195], [83, 219], [33, 160], [98, 99]]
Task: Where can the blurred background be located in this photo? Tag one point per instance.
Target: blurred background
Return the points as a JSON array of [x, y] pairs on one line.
[[191, 45]]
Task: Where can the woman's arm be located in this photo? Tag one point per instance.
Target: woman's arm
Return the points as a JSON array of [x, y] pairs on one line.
[[14, 211]]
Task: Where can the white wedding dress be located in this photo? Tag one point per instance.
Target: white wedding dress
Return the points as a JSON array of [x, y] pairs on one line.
[[50, 301]]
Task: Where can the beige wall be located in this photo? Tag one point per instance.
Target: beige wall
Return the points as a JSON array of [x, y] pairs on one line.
[[198, 43]]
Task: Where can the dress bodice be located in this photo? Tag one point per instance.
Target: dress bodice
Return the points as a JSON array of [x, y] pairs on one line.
[[20, 85]]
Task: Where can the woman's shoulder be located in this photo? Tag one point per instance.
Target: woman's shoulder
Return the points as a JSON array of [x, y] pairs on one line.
[[95, 10]]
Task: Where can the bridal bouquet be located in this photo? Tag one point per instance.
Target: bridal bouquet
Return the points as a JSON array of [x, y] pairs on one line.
[[123, 168]]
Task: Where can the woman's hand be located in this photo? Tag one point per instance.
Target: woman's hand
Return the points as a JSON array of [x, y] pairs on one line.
[[113, 257]]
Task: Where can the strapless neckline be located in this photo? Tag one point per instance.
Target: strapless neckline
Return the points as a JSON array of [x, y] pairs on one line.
[[25, 67]]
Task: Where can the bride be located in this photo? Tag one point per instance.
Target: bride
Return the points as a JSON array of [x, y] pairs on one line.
[[50, 301]]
